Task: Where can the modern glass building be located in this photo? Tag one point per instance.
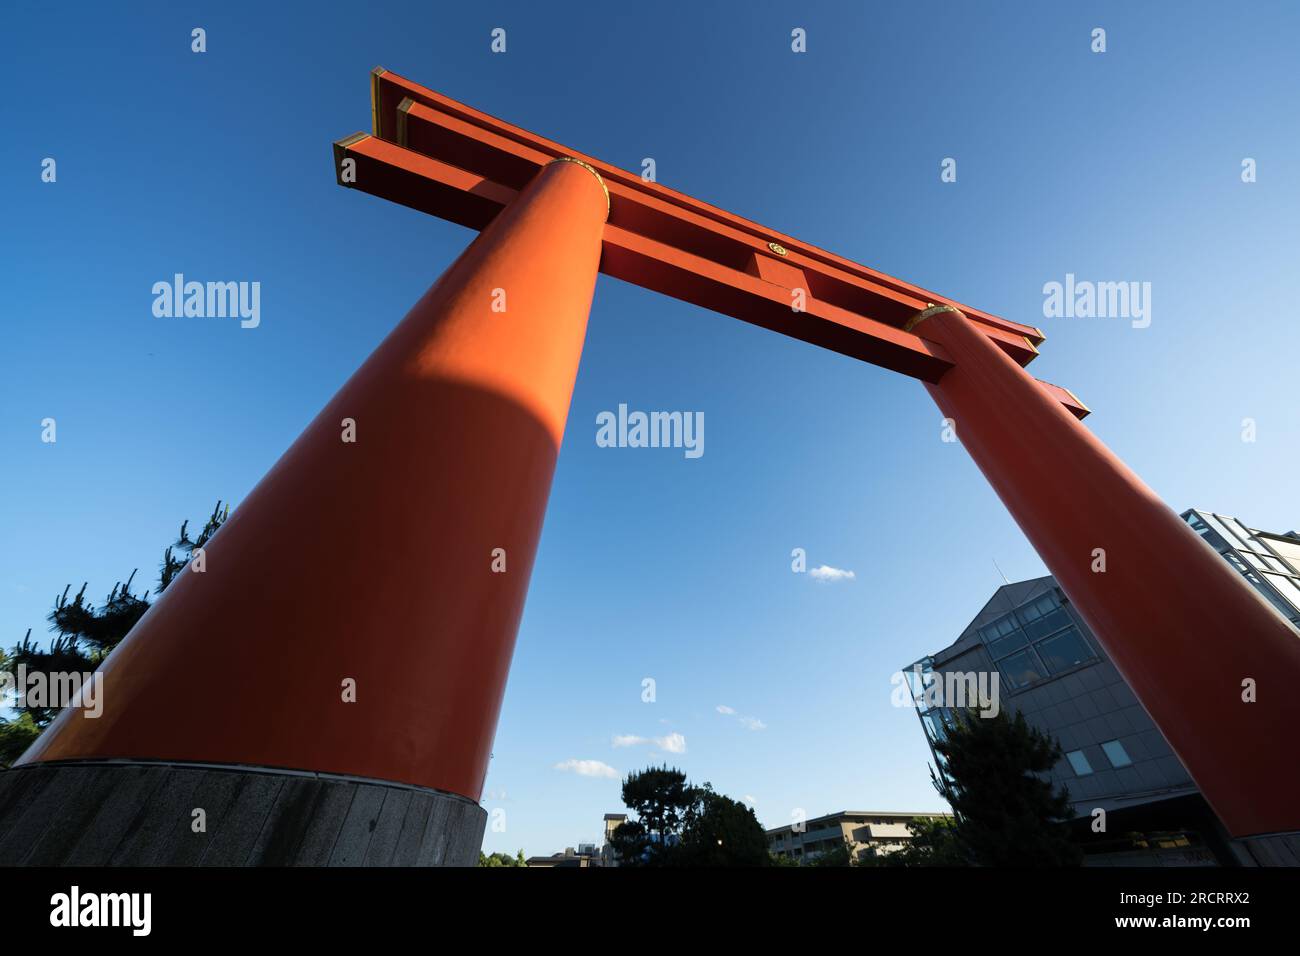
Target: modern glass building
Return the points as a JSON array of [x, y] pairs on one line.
[[1270, 562], [1050, 668]]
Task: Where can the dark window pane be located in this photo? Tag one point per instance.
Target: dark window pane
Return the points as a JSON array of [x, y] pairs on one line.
[[1020, 669], [1055, 621], [1040, 628], [999, 628], [1064, 651], [1005, 645]]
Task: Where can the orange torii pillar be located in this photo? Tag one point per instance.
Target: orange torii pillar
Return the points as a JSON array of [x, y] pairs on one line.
[[1213, 663], [327, 689]]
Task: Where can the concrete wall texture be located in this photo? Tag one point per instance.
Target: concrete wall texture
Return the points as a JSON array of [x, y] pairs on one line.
[[144, 814]]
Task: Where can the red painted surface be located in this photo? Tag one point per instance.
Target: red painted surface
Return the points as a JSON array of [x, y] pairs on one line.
[[462, 136], [1183, 628], [732, 288], [373, 560]]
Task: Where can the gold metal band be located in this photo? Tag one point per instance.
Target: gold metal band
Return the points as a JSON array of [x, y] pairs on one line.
[[920, 317], [1075, 397], [375, 74], [590, 169], [403, 116]]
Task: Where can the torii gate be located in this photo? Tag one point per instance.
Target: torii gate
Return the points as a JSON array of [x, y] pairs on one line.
[[458, 418]]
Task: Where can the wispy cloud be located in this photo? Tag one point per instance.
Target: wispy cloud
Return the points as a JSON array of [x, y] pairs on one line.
[[749, 723], [828, 575], [588, 768], [673, 743]]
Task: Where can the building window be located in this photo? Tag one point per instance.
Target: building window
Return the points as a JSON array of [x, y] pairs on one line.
[[1047, 624], [1064, 650], [1005, 645], [1079, 763], [999, 628], [1035, 641], [1021, 669], [1116, 753]]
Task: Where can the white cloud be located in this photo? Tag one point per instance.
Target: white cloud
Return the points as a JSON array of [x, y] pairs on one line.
[[750, 799], [827, 574], [673, 743], [749, 723], [588, 768]]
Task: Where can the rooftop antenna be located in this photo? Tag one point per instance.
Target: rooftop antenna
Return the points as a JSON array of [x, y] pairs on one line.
[[1004, 577]]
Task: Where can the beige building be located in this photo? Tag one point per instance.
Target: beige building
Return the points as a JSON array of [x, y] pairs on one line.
[[612, 822], [866, 832], [583, 857]]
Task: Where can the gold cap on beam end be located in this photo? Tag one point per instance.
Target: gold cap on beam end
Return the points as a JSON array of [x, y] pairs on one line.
[[591, 169], [921, 316], [375, 74]]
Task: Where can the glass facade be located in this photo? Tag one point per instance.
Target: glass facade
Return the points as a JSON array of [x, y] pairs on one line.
[[1270, 562], [933, 719], [1038, 641], [1035, 641]]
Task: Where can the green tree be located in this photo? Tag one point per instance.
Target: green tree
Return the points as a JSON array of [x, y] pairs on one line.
[[933, 843], [86, 634], [660, 797], [683, 825], [16, 736], [631, 844], [172, 563], [1006, 814], [720, 831], [841, 855], [501, 859]]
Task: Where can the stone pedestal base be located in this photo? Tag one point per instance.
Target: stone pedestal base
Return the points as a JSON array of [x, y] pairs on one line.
[[127, 813]]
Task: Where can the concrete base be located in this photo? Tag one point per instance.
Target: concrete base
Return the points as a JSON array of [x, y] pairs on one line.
[[1274, 849], [130, 813]]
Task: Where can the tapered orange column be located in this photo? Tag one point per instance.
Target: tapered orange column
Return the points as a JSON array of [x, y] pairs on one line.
[[1185, 630], [396, 563]]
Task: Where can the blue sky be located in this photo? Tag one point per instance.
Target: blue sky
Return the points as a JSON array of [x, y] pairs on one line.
[[1120, 166]]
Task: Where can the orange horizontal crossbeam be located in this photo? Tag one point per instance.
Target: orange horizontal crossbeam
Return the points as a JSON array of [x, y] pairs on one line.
[[443, 158]]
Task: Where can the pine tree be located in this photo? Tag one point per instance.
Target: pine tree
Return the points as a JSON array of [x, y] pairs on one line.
[[684, 825], [86, 634], [1007, 812]]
